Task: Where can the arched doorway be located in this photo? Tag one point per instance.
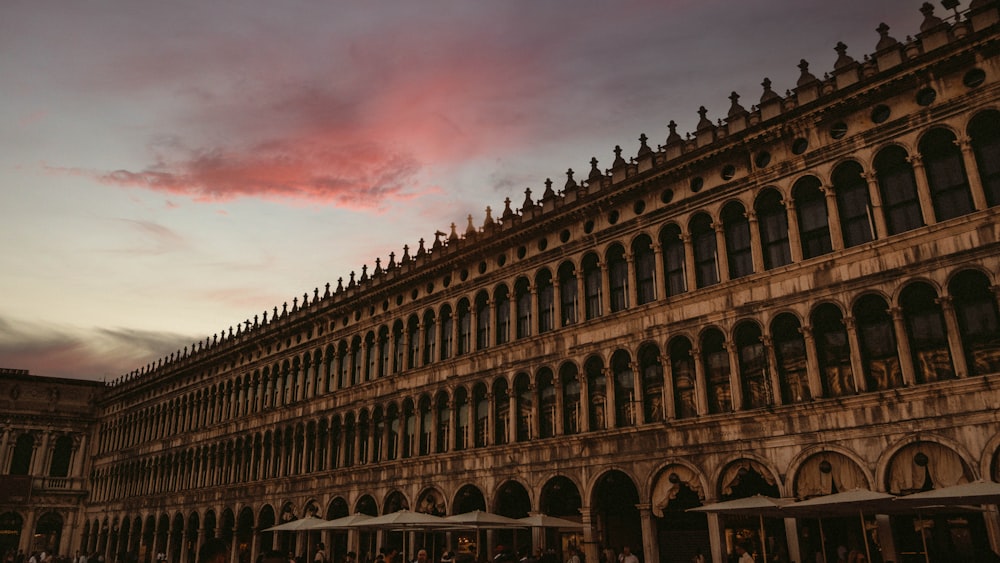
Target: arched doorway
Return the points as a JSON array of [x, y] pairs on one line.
[[366, 505], [394, 502], [10, 531], [337, 547], [561, 498], [265, 520], [176, 538], [512, 501], [467, 499], [680, 535], [244, 534], [48, 532], [745, 478], [827, 473], [615, 516]]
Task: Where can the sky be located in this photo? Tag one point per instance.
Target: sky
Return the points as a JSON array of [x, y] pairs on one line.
[[170, 169]]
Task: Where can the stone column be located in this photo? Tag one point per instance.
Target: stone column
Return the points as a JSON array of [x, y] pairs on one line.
[[492, 321], [534, 424], [903, 345], [972, 173], [916, 160], [756, 251], [721, 252], [491, 419], [772, 370], [533, 318], [954, 336], [669, 401], [638, 399], [453, 349], [794, 236], [581, 297], [558, 427], [557, 312], [691, 276], [792, 538], [512, 416], [717, 536], [881, 230], [605, 289], [735, 387], [812, 363], [631, 282], [833, 218], [418, 359], [857, 368], [590, 546], [39, 455], [5, 433], [659, 274], [650, 547], [700, 384], [583, 414], [610, 401]]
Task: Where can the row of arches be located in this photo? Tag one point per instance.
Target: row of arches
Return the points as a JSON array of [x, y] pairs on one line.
[[874, 342]]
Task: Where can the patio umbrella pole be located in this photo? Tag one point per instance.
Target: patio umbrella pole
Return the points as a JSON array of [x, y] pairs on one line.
[[923, 538], [822, 539], [763, 539], [864, 533]]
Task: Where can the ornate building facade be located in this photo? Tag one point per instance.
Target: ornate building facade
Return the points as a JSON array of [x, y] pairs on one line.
[[797, 299]]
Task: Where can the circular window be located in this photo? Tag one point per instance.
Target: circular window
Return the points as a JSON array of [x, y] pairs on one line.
[[521, 251], [613, 217], [638, 207], [763, 159], [501, 260], [385, 305], [728, 171], [463, 275], [430, 288], [588, 227], [799, 146], [446, 281], [974, 77], [371, 311], [543, 243], [482, 267], [399, 300], [564, 235], [697, 183], [345, 320], [667, 196], [926, 96], [357, 315], [413, 295], [838, 130], [881, 113]]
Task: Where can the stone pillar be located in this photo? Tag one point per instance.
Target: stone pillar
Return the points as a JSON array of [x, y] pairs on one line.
[[590, 546], [833, 218], [492, 321], [885, 537], [735, 387], [533, 317], [557, 312], [534, 423], [631, 282], [669, 401], [691, 276], [756, 251], [512, 416], [650, 547], [903, 345], [558, 427], [418, 358], [794, 236], [954, 336], [605, 289], [700, 385], [857, 368], [581, 297], [453, 349], [638, 400], [792, 538], [772, 370], [812, 363], [881, 230], [5, 434], [916, 160], [40, 455], [28, 531], [721, 252], [972, 173], [717, 535], [491, 419], [583, 413]]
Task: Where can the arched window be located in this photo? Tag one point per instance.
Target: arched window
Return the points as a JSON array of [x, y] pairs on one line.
[[853, 204], [567, 293], [652, 383], [364, 431], [501, 299], [772, 221], [946, 175], [372, 366], [682, 372], [715, 358], [927, 336], [383, 351], [482, 406], [409, 424], [426, 425], [546, 301], [625, 398], [525, 407], [899, 190], [501, 412], [482, 320], [877, 338], [984, 134], [443, 422], [343, 370], [645, 268], [705, 251], [592, 286], [617, 278], [61, 456], [430, 338], [378, 433], [790, 353], [814, 227], [23, 450], [350, 429], [399, 345], [413, 338], [462, 441], [464, 327], [673, 260], [447, 331], [522, 292], [547, 412], [737, 227], [753, 366], [357, 362], [597, 389], [570, 381], [978, 321]]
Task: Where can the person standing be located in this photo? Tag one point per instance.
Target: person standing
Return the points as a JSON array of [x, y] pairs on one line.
[[627, 556]]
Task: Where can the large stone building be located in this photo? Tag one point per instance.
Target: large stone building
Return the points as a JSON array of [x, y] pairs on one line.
[[797, 299]]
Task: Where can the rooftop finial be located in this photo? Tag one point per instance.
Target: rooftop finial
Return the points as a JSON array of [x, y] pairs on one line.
[[528, 204], [570, 182], [420, 248], [704, 123], [364, 272], [392, 261], [453, 235], [885, 40], [805, 78], [470, 229], [673, 137], [488, 222], [406, 255], [549, 192], [378, 267], [768, 94], [507, 211], [351, 283], [735, 109], [843, 59], [930, 20], [619, 161], [643, 147]]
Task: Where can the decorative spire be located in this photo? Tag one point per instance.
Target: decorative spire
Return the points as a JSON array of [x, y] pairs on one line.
[[340, 284], [274, 317], [768, 94], [549, 192], [295, 304], [327, 292], [420, 249], [351, 283], [704, 123], [406, 255], [595, 172], [930, 20], [453, 235], [570, 182], [437, 245], [672, 137], [284, 309], [364, 272], [315, 295], [264, 322], [507, 211], [643, 147], [843, 59], [528, 204], [392, 261], [805, 78], [378, 267], [735, 109], [470, 229], [619, 161], [885, 41]]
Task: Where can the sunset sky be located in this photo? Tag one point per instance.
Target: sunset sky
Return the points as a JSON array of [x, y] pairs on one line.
[[170, 169]]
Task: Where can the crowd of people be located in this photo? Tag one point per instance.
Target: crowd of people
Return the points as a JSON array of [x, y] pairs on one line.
[[44, 556]]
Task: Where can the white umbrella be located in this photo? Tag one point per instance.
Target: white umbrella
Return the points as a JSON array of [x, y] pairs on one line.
[[479, 520], [855, 501], [757, 505], [978, 492], [351, 521], [546, 521], [302, 524]]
